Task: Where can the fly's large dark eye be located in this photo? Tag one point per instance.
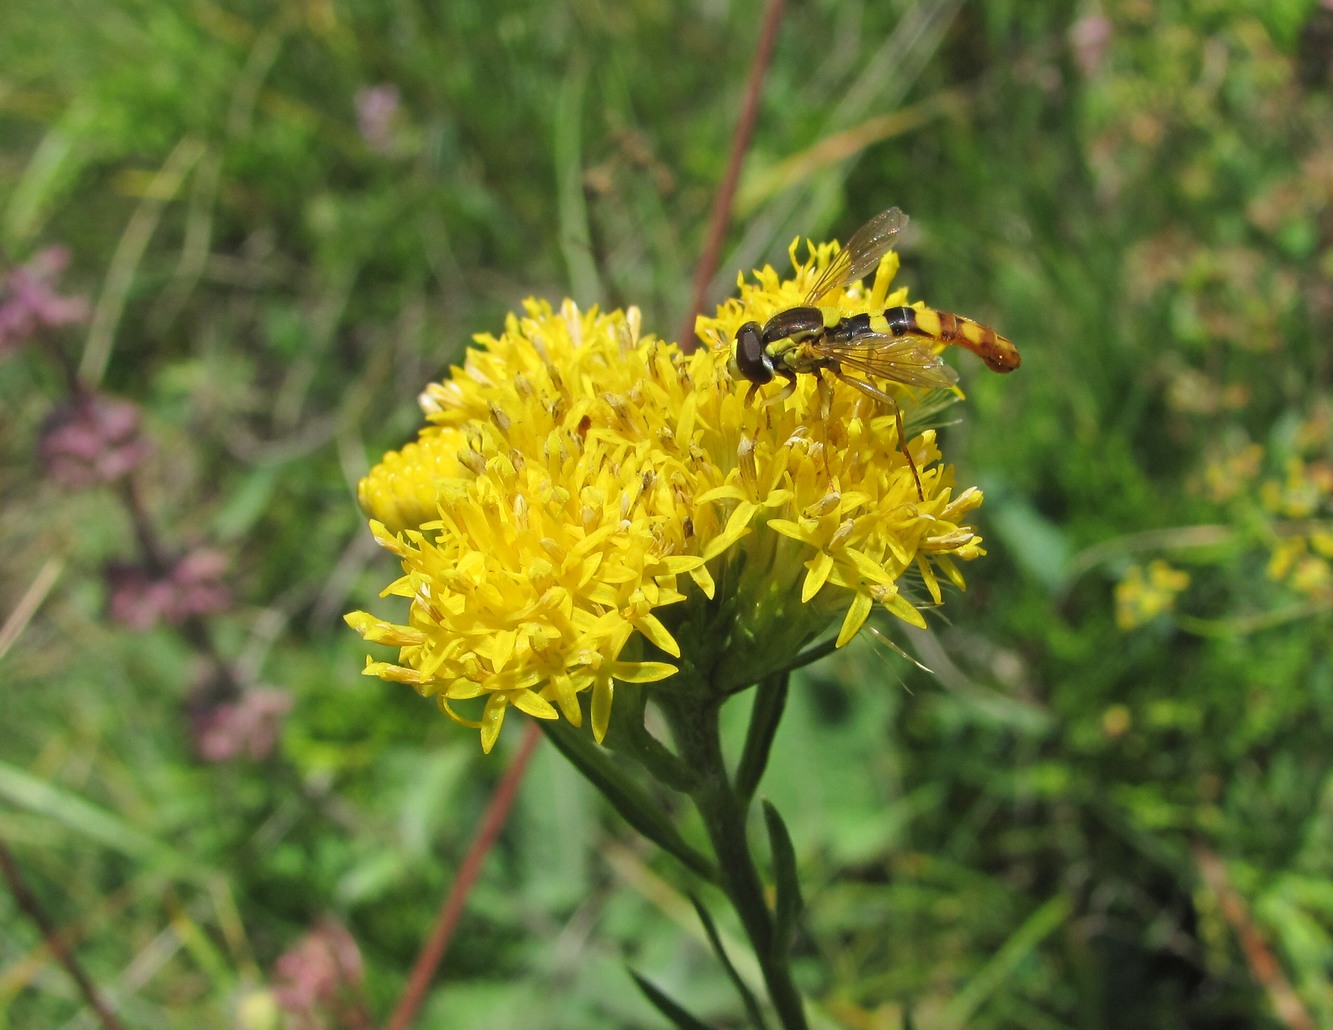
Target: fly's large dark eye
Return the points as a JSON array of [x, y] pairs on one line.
[[748, 360]]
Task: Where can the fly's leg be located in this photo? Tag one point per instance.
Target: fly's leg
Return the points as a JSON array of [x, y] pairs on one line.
[[787, 391], [902, 446], [825, 395], [884, 398]]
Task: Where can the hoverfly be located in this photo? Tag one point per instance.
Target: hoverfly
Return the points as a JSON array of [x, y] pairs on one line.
[[893, 346]]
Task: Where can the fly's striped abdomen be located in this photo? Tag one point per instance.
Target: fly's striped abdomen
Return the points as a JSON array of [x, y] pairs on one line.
[[997, 352]]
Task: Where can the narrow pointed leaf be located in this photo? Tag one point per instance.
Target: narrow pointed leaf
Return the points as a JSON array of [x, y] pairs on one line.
[[787, 909], [715, 939], [670, 1008], [769, 701]]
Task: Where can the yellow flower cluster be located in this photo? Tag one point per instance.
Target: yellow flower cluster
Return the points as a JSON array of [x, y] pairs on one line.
[[1292, 506], [1142, 596], [588, 505], [1301, 553]]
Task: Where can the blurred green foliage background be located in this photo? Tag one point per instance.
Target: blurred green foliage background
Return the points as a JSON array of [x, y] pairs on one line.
[[1110, 806]]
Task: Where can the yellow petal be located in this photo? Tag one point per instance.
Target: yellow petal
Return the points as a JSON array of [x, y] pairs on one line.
[[535, 705], [492, 718], [603, 691], [703, 579], [928, 576], [566, 697], [903, 608], [854, 619], [820, 566], [377, 631], [642, 672], [651, 627], [795, 530]]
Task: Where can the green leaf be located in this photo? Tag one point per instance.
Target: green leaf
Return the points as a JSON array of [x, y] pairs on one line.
[[789, 903], [95, 823], [52, 169], [1019, 948], [628, 736], [668, 1007], [770, 699], [571, 204], [715, 939], [1039, 545], [632, 802], [251, 498]]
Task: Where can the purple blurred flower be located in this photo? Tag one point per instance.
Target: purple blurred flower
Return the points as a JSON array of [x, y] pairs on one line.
[[29, 302], [317, 981], [1090, 36], [247, 728], [91, 440], [192, 586], [377, 115]]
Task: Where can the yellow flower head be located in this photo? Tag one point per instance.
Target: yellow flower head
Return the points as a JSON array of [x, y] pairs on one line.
[[589, 505], [1141, 595]]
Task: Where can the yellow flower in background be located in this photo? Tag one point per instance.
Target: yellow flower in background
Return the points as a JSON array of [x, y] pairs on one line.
[[589, 506], [1140, 597], [1302, 563]]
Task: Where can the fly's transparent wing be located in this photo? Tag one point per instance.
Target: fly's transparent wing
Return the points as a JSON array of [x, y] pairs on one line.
[[862, 253], [899, 359]]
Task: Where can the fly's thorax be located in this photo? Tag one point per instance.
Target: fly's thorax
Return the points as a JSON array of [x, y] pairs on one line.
[[795, 324], [793, 355]]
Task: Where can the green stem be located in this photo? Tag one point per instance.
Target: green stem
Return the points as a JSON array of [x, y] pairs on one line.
[[628, 734], [770, 698], [635, 805], [694, 725]]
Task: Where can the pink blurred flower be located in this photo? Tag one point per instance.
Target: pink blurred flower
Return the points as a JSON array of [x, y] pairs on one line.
[[247, 728], [1090, 36], [92, 439], [140, 598], [318, 981], [377, 115], [29, 302]]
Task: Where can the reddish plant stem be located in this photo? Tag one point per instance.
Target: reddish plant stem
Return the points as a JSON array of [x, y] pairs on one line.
[[28, 902], [428, 962], [726, 192], [154, 554], [1264, 965]]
